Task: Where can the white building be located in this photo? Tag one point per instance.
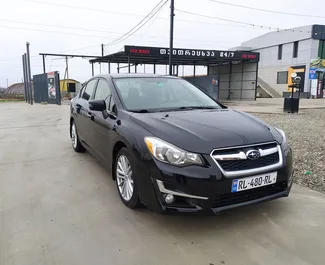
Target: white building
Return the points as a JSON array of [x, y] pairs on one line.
[[286, 51]]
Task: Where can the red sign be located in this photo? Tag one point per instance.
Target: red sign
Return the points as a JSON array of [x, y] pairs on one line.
[[248, 56], [140, 51]]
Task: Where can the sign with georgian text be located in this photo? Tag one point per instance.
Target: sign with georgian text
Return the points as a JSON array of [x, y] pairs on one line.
[[191, 53]]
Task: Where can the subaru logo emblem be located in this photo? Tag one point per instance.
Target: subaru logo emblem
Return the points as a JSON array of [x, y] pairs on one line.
[[253, 154]]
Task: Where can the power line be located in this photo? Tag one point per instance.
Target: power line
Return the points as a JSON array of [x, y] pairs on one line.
[[265, 10], [59, 26], [154, 20], [82, 8], [239, 22], [121, 13], [138, 26], [59, 32], [81, 34]]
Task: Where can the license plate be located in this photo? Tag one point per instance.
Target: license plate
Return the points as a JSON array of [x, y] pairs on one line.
[[253, 182]]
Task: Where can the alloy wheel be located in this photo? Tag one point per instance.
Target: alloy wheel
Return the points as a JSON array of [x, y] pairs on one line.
[[124, 178], [74, 137]]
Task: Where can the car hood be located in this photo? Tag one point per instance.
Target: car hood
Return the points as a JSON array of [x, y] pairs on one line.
[[201, 131]]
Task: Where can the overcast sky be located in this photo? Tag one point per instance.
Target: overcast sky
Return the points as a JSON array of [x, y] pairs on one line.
[[51, 28]]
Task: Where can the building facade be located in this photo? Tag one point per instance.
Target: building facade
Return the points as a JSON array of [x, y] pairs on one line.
[[286, 51]]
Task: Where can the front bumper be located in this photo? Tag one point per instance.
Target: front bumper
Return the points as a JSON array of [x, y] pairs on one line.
[[197, 188]]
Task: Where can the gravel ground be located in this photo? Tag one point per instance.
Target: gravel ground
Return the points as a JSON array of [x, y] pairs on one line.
[[305, 132]]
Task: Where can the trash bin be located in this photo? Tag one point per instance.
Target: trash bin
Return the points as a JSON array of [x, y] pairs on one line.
[[291, 105]]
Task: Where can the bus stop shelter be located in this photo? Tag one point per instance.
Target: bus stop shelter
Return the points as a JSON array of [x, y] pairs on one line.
[[233, 72]]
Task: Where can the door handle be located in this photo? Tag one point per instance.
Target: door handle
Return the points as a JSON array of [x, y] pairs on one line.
[[90, 116]]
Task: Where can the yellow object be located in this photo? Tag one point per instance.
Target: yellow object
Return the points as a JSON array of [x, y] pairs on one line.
[[290, 71], [64, 84]]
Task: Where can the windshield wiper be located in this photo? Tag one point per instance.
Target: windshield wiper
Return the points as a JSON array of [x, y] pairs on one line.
[[140, 111], [197, 107]]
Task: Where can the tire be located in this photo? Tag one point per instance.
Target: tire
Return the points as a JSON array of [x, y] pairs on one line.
[[76, 144], [127, 188]]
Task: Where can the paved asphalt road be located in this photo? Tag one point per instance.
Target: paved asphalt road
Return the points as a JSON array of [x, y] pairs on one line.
[[61, 208]]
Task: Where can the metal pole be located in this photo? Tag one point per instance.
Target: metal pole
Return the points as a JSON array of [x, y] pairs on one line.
[[171, 38], [100, 65], [256, 80], [44, 70], [242, 80], [230, 76], [118, 68], [219, 79], [67, 69], [24, 72], [29, 74], [154, 67], [194, 70], [135, 68], [129, 66], [109, 67], [92, 69]]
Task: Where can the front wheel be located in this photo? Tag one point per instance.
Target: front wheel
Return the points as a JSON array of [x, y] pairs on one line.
[[77, 146], [125, 179]]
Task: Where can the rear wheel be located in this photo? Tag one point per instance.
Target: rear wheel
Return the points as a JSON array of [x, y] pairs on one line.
[[77, 146], [125, 179]]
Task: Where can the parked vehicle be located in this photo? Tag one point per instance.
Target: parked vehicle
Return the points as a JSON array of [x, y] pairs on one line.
[[169, 146]]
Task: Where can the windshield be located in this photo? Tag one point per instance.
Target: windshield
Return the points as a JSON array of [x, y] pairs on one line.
[[154, 94]]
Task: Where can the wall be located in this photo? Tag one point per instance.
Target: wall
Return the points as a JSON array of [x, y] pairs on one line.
[[270, 65], [241, 80], [279, 37]]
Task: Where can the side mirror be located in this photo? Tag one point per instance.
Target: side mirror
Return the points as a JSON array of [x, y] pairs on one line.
[[97, 105]]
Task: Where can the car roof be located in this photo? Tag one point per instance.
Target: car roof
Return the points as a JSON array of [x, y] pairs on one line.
[[132, 75]]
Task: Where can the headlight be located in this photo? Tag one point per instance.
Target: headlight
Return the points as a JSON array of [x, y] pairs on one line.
[[169, 153], [284, 138]]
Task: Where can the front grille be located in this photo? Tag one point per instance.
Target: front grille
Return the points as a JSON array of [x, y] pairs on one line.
[[245, 196], [233, 160], [235, 165]]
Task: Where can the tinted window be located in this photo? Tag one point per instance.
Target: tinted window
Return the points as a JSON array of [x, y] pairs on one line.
[[161, 93], [295, 49], [81, 91], [87, 94], [282, 77], [103, 91], [280, 47]]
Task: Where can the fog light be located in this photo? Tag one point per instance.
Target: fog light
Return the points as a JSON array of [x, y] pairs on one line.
[[169, 198]]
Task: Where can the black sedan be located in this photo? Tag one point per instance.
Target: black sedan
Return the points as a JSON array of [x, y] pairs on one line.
[[169, 146]]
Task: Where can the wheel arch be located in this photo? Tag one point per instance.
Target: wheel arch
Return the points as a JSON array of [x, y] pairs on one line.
[[117, 147], [71, 121]]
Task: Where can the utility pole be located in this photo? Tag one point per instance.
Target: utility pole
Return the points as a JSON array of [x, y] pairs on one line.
[[29, 75], [67, 71], [102, 49], [7, 83], [171, 38]]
